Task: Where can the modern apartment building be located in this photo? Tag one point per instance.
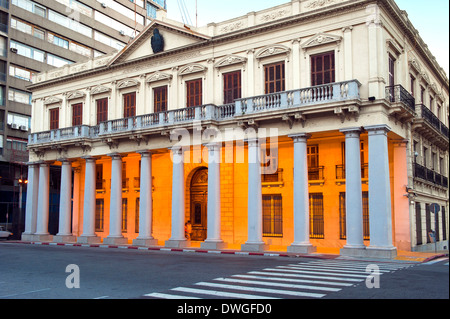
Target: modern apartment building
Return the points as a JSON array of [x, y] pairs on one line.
[[308, 126], [36, 36]]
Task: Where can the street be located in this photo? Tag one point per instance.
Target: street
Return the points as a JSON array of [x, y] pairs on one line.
[[55, 272]]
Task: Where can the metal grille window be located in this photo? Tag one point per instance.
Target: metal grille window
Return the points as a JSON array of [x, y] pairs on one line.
[[316, 216], [428, 222], [419, 224], [136, 216], [272, 216], [444, 224], [342, 216], [99, 214], [124, 214]]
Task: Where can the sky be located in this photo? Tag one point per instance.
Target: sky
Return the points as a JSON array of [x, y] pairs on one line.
[[430, 18]]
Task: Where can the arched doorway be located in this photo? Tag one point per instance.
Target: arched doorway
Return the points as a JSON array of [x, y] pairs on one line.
[[199, 204]]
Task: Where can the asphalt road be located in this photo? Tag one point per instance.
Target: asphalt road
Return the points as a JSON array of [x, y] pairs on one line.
[[40, 272]]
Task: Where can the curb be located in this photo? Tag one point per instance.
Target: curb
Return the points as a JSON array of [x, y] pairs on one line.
[[434, 257], [183, 250]]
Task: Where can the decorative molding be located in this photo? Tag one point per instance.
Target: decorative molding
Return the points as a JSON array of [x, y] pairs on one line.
[[392, 45], [413, 64], [232, 27], [230, 60], [100, 89], [272, 50], [128, 83], [75, 95], [191, 68], [274, 15], [159, 76], [52, 100], [321, 39], [319, 3]]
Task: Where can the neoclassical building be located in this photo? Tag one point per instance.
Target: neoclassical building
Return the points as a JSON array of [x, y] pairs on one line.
[[303, 127]]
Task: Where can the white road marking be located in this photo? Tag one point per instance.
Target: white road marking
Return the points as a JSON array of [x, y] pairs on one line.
[[221, 293]]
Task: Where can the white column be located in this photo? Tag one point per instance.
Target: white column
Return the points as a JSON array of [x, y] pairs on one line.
[[254, 242], [214, 240], [379, 194], [353, 193], [88, 236], [32, 198], [115, 203], [145, 237], [301, 242], [65, 204], [42, 233], [178, 239]]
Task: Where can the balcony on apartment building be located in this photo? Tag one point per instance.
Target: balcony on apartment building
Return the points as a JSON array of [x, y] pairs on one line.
[[430, 175], [282, 104]]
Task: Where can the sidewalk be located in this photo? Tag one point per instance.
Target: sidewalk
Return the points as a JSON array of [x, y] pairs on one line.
[[322, 253]]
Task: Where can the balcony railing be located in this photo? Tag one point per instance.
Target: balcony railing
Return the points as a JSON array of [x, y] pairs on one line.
[[333, 92], [430, 175], [426, 114], [398, 93], [340, 171]]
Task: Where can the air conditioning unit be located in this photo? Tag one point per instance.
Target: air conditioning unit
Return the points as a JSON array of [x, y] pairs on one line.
[[15, 126], [13, 50], [23, 128]]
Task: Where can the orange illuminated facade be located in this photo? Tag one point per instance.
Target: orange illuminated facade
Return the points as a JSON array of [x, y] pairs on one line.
[[255, 134]]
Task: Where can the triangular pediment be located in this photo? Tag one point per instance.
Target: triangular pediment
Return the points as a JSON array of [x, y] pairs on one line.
[[174, 36]]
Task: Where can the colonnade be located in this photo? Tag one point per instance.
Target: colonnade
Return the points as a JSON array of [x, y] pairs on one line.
[[381, 244]]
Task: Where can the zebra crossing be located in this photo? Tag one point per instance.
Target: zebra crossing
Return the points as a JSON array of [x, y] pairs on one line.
[[309, 279]]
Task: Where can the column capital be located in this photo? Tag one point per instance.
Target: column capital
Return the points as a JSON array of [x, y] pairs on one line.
[[178, 149], [145, 153], [213, 147], [351, 131], [378, 129], [65, 160], [115, 156], [89, 159], [298, 138]]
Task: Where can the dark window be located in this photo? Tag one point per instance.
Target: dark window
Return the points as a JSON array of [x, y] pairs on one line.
[[231, 87], [194, 93], [391, 70], [418, 224], [428, 222], [99, 185], [136, 216], [272, 216], [77, 114], [274, 78], [342, 217], [102, 110], [160, 99], [54, 119], [322, 68], [444, 224], [129, 105], [366, 223], [316, 218]]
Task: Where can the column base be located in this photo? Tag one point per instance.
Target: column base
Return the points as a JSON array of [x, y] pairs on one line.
[[89, 240], [381, 252], [43, 237], [177, 243], [115, 241], [216, 245], [64, 239], [254, 246], [145, 242], [27, 237], [356, 251], [302, 249]]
